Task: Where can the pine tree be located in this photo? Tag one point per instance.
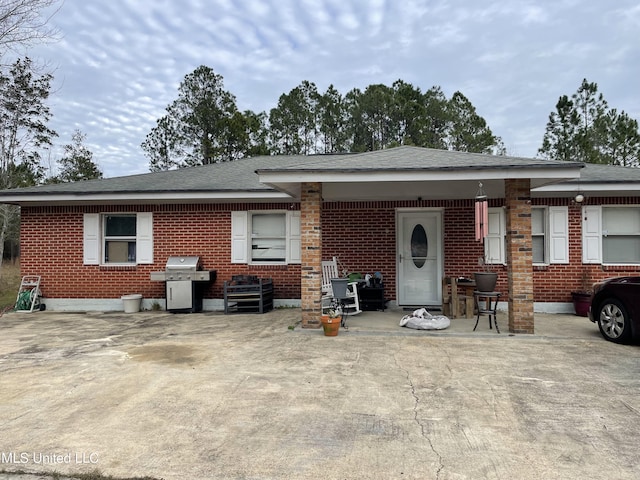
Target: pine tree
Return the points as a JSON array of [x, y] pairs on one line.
[[24, 114], [77, 163], [584, 128]]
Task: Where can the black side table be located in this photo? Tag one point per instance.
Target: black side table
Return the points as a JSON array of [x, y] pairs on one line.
[[486, 303], [371, 298]]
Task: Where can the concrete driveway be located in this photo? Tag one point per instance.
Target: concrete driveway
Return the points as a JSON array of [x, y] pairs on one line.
[[205, 396]]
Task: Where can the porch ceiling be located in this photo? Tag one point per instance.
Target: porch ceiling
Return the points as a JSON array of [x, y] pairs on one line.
[[411, 172], [435, 190], [620, 189], [346, 189]]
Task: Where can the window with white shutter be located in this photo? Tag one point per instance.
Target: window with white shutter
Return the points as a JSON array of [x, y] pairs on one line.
[[294, 236], [591, 234], [549, 235], [266, 237], [494, 242], [144, 238], [91, 239], [558, 234], [118, 238], [621, 235], [611, 234], [239, 229], [539, 234]]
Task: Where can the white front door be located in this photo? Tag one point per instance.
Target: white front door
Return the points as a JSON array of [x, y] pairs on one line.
[[419, 257]]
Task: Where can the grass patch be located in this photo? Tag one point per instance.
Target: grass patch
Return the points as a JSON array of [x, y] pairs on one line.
[[293, 327], [9, 284]]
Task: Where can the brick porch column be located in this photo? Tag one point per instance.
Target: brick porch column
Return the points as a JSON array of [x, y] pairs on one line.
[[519, 255], [311, 267]]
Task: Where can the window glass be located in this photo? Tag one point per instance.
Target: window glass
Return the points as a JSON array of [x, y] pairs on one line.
[[120, 226], [119, 238], [537, 221], [120, 251], [621, 235], [621, 249], [268, 237], [419, 246], [621, 221], [538, 231], [538, 249]]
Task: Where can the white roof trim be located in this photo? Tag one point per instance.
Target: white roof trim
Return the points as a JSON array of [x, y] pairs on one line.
[[275, 177], [589, 187], [144, 197]]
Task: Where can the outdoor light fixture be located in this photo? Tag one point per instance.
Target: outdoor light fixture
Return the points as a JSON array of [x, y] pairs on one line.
[[579, 198]]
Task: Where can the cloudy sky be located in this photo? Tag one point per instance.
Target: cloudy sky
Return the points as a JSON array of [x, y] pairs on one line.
[[118, 63]]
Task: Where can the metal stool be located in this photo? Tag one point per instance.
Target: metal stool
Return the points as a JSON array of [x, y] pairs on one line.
[[490, 306], [339, 288]]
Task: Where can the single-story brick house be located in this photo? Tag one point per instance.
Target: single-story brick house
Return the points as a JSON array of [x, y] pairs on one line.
[[279, 216]]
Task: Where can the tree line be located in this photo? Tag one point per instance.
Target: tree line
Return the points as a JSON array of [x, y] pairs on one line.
[[24, 112], [203, 125], [25, 137], [584, 128]]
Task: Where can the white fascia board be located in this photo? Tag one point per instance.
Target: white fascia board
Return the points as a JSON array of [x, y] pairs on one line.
[[588, 187], [146, 198], [419, 175]]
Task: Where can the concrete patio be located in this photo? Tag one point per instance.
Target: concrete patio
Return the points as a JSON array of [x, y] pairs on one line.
[[208, 396], [546, 325]]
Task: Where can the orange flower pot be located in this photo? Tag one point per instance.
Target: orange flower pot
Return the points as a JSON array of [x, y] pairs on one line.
[[331, 326]]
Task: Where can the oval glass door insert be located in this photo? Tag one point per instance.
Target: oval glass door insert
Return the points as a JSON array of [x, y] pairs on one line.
[[419, 246]]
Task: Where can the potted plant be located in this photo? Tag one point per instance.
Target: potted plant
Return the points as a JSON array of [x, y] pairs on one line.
[[331, 322], [582, 298], [485, 280]]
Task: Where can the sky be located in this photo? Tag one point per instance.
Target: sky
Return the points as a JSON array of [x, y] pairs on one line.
[[118, 63]]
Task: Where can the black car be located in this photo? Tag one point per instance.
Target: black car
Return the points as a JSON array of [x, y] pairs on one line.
[[615, 307]]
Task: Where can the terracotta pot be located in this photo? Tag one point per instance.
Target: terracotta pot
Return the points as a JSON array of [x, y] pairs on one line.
[[331, 326]]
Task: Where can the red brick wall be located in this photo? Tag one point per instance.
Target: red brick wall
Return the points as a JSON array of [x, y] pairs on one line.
[[361, 234], [461, 250], [51, 246], [554, 283]]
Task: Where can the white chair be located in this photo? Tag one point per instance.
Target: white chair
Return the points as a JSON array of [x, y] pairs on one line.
[[351, 302]]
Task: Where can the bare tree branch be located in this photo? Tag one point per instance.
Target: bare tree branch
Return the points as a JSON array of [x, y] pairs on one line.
[[26, 22]]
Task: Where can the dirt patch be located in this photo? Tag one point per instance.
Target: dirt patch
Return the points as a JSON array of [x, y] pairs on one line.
[[172, 354], [31, 350]]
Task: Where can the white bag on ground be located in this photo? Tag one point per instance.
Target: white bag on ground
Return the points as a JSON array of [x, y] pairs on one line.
[[422, 320]]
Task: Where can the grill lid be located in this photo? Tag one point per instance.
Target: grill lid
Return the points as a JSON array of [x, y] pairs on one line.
[[183, 263]]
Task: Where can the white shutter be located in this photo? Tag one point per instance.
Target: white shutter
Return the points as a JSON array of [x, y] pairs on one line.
[[592, 234], [144, 237], [558, 235], [294, 237], [91, 239], [239, 226], [494, 241]]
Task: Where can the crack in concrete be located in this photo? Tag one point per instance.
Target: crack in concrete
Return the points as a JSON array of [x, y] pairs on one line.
[[631, 408], [416, 418]]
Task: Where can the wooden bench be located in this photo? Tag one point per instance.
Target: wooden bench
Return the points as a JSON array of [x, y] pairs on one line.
[[455, 304]]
